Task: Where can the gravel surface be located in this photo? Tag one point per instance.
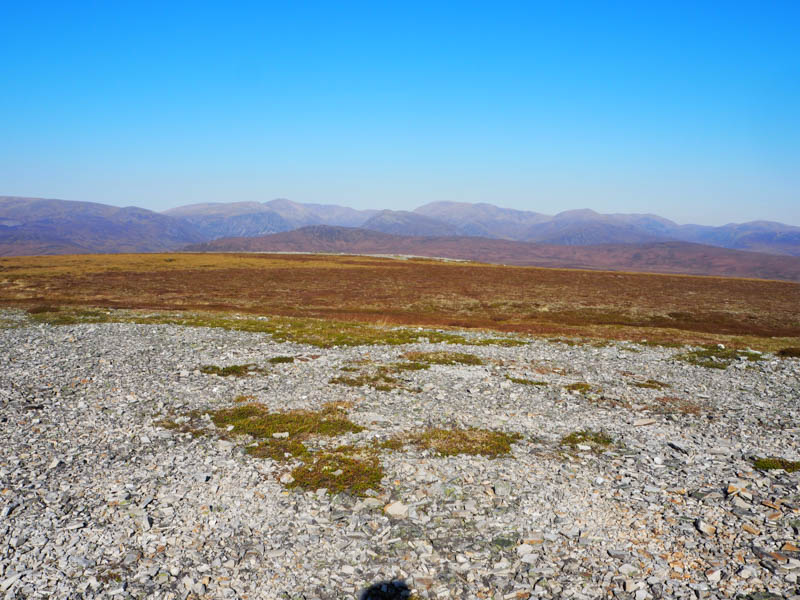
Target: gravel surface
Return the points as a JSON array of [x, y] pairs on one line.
[[97, 500]]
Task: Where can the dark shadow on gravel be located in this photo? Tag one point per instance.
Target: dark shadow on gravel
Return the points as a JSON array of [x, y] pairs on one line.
[[386, 590]]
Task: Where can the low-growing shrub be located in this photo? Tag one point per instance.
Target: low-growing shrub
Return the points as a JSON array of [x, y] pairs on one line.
[[278, 449], [343, 470]]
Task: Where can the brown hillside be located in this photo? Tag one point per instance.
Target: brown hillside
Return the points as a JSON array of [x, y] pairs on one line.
[[425, 292], [661, 257]]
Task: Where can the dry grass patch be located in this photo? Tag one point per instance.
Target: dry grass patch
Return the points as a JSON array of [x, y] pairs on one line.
[[185, 426], [670, 405], [43, 309], [444, 358], [451, 442], [651, 384], [549, 370], [789, 352], [579, 386]]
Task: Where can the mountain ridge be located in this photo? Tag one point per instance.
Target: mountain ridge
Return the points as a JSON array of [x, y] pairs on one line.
[[51, 226]]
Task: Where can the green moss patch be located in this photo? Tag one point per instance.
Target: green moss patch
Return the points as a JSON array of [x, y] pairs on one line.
[[391, 444], [323, 333], [523, 381], [277, 360], [380, 381], [768, 464], [444, 358], [505, 342], [347, 469], [381, 377], [231, 370], [407, 366], [714, 357], [596, 440], [651, 384]]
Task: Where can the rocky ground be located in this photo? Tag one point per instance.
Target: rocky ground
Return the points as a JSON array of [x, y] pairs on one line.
[[97, 500]]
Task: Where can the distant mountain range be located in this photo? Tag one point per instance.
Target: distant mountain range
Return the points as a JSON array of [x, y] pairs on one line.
[[570, 228], [42, 226], [47, 226]]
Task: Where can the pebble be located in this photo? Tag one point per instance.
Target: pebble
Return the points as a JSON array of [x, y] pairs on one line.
[[397, 510]]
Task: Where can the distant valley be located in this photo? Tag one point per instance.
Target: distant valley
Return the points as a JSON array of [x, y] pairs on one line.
[[481, 232]]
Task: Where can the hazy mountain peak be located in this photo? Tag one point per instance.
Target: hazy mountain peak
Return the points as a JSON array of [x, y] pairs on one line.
[[229, 209], [579, 213], [401, 222]]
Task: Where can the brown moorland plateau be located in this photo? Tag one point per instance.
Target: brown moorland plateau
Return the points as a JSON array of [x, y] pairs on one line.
[[554, 302], [653, 257]]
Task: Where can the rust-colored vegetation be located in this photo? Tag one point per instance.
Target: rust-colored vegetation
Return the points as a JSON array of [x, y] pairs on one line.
[[553, 302]]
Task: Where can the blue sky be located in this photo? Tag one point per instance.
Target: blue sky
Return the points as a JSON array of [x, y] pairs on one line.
[[688, 110]]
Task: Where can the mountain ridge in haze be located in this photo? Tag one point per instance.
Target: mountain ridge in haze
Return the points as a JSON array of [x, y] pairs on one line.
[[48, 226], [571, 227]]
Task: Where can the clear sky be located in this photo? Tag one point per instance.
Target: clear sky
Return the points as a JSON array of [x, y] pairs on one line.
[[690, 110]]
